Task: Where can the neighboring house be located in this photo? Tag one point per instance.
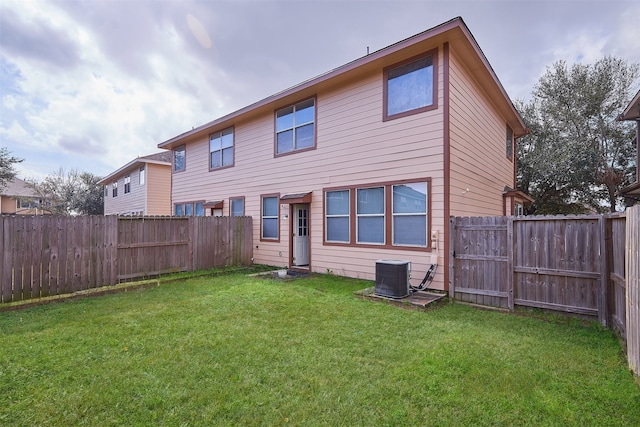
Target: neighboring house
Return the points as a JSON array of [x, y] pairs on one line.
[[20, 199], [363, 163], [632, 112], [141, 187]]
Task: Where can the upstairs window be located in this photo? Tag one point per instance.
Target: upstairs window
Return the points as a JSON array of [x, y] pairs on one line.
[[127, 184], [410, 87], [114, 191], [142, 174], [295, 127], [179, 158], [221, 149], [509, 143]]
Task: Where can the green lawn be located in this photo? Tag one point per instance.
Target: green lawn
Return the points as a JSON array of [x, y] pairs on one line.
[[240, 351]]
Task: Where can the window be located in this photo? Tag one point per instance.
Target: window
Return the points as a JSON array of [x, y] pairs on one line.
[[410, 214], [337, 206], [179, 158], [237, 206], [518, 209], [29, 203], [370, 215], [188, 209], [270, 218], [106, 191], [127, 184], [410, 87], [221, 149], [199, 209], [295, 127], [392, 215], [114, 191], [142, 174], [509, 143]]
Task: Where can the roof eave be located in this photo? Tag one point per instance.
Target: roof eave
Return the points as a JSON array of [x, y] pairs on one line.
[[632, 112], [633, 189], [123, 169], [374, 56], [516, 120]]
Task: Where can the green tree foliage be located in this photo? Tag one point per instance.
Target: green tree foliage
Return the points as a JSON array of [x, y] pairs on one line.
[[7, 166], [578, 155], [72, 192]]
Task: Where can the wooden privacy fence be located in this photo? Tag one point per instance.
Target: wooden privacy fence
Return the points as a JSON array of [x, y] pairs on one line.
[[588, 265], [52, 255]]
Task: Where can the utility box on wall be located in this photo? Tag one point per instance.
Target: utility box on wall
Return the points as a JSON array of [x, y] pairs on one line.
[[392, 278]]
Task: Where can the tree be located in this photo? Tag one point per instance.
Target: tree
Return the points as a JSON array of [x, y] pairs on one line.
[[578, 155], [89, 196], [7, 166], [71, 192]]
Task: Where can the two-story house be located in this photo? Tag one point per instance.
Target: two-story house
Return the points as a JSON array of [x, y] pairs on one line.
[[141, 187], [365, 162]]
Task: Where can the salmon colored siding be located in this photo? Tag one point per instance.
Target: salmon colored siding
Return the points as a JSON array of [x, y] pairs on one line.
[[158, 189], [479, 167], [8, 205], [354, 147]]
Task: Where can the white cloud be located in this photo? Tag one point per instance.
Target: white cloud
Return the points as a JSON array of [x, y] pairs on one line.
[[98, 110], [14, 131]]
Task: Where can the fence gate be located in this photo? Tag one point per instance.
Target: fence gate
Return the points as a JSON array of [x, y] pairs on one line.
[[545, 262]]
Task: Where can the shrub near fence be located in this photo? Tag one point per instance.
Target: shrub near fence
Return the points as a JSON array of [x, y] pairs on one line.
[[52, 255]]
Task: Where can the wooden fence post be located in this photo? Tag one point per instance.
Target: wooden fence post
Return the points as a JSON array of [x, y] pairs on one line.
[[193, 248], [633, 288], [5, 259], [510, 272], [603, 312], [452, 230], [111, 246]]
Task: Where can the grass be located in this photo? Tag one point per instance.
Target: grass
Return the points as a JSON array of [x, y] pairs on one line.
[[238, 350]]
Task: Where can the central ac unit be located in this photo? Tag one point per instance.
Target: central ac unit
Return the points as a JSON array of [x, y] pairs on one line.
[[392, 278]]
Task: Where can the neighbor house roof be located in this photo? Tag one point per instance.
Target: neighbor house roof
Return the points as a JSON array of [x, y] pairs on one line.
[[17, 188], [454, 31], [632, 112], [161, 158]]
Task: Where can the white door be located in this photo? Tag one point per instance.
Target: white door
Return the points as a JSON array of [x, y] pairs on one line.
[[301, 235]]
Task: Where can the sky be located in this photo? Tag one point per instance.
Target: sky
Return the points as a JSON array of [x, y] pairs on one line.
[[91, 85]]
